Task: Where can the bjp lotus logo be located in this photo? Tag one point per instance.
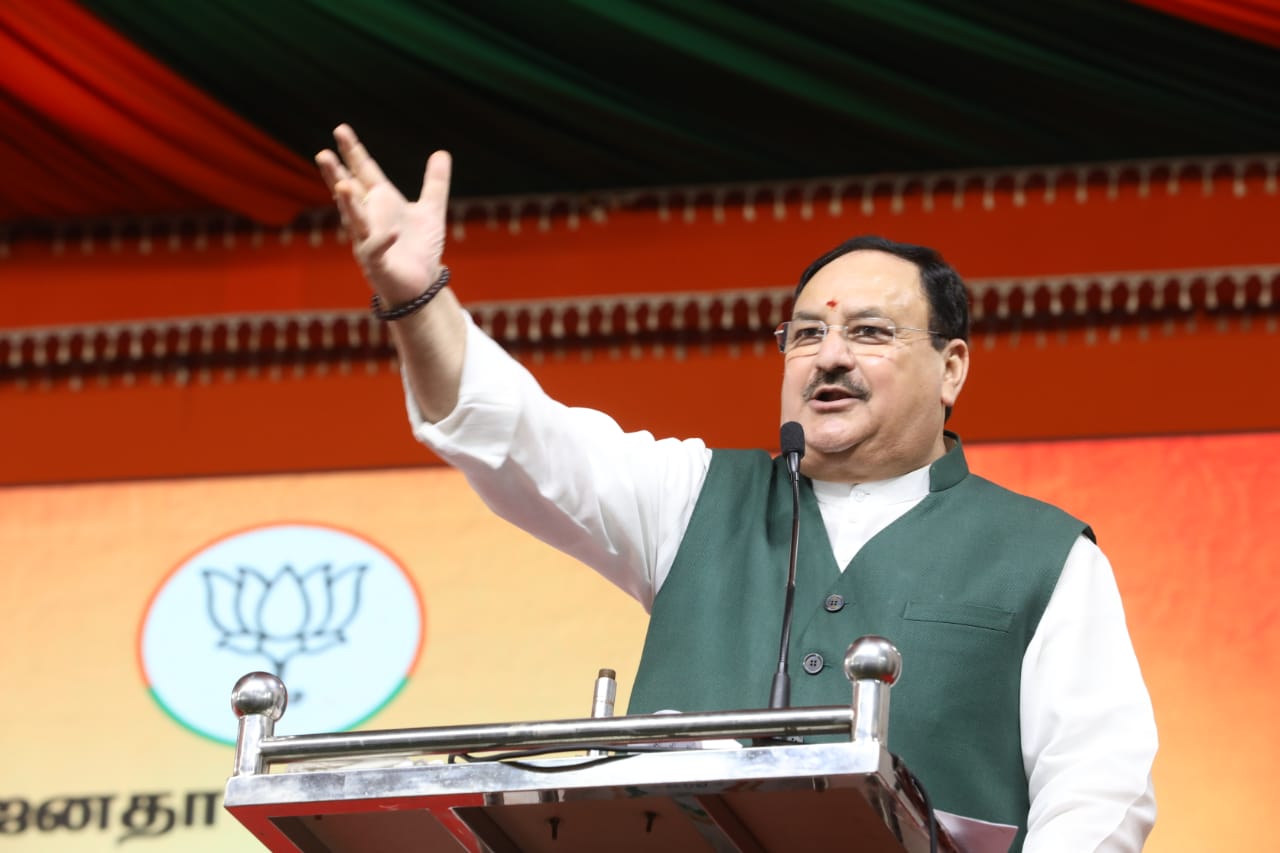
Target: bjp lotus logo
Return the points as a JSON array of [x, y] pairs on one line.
[[283, 615], [331, 613]]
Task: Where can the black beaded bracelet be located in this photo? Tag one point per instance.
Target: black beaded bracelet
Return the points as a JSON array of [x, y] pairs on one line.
[[414, 306]]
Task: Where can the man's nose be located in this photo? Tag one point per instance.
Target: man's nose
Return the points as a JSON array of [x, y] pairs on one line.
[[834, 351]]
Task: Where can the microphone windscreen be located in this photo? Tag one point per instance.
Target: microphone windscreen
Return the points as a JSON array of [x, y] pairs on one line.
[[791, 438]]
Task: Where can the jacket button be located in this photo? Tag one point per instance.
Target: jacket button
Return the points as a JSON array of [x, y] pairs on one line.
[[813, 663], [834, 603]]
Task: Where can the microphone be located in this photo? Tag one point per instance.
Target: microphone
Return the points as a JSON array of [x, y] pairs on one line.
[[791, 439]]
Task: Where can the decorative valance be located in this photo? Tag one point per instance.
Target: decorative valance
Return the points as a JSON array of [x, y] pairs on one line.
[[177, 348]]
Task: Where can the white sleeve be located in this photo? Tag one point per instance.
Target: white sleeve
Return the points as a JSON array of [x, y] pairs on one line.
[[617, 501], [1088, 730]]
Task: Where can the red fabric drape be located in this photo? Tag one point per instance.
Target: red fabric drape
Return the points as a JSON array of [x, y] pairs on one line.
[[71, 84], [1258, 20]]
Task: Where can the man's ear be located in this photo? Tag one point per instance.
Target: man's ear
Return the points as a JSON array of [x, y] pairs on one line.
[[955, 367]]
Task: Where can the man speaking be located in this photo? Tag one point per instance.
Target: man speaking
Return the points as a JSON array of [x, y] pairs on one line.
[[1023, 703]]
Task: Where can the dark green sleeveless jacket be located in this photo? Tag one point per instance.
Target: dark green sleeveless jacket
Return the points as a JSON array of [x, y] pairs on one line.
[[958, 583]]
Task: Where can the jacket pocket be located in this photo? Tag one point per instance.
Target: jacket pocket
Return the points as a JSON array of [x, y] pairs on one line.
[[973, 615]]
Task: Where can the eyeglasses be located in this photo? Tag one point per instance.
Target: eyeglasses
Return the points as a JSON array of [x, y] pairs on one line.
[[866, 336]]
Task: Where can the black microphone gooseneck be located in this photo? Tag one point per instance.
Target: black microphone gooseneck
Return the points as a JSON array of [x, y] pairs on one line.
[[792, 443]]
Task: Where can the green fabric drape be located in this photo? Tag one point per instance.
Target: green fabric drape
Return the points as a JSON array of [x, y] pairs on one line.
[[572, 95], [595, 94]]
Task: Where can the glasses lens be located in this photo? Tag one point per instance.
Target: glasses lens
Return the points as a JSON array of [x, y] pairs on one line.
[[802, 333], [868, 334], [872, 333]]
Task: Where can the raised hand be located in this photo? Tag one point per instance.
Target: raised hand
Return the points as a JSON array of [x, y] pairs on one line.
[[398, 243]]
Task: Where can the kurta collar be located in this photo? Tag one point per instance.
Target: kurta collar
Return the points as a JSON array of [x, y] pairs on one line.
[[911, 486], [940, 476]]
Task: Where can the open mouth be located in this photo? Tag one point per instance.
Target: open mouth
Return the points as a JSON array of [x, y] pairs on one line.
[[834, 399], [833, 395]]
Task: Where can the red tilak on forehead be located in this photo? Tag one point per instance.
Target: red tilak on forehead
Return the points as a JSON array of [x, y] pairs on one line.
[[831, 303]]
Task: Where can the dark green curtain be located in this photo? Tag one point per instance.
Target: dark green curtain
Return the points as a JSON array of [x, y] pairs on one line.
[[568, 95]]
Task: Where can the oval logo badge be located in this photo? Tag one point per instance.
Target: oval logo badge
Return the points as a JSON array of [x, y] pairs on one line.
[[333, 615]]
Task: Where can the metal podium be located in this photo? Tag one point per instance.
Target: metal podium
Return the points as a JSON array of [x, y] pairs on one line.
[[613, 783]]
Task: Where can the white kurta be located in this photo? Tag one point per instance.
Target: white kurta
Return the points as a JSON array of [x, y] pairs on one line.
[[620, 502]]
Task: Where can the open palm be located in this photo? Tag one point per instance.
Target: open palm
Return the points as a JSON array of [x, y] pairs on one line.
[[398, 243]]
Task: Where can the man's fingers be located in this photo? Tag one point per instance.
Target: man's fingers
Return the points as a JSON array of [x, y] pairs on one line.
[[331, 170], [354, 178], [352, 208], [357, 158], [435, 181]]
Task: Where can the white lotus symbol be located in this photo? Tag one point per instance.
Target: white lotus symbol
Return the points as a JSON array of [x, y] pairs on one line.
[[285, 615]]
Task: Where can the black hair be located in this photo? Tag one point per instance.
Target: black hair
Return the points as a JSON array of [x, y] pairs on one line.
[[948, 298]]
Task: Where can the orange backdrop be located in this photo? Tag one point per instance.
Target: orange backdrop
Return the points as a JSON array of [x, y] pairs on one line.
[[516, 631]]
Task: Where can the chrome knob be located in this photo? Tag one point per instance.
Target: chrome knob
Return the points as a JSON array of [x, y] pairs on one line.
[[873, 658], [259, 693]]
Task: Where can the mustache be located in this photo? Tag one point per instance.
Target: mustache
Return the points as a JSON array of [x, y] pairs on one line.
[[838, 378]]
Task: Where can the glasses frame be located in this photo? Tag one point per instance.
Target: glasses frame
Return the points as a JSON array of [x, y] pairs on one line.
[[780, 334]]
